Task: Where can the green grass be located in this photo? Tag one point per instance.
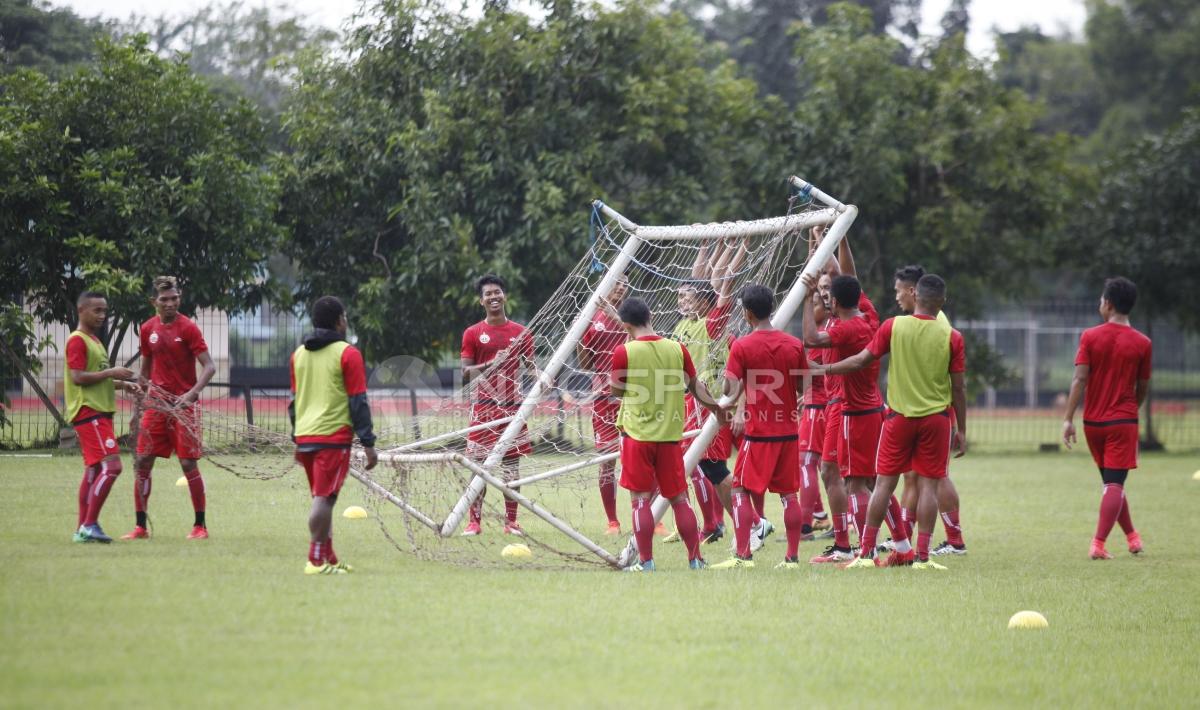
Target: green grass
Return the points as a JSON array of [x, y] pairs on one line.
[[232, 621]]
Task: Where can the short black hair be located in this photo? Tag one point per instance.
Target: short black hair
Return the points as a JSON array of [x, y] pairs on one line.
[[490, 280], [931, 287], [326, 311], [635, 312], [910, 274], [1121, 293], [87, 296], [846, 291], [759, 300]]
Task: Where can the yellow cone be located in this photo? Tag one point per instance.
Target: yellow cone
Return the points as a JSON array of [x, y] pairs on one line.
[[1196, 476], [182, 482], [516, 551], [1027, 620], [354, 512]]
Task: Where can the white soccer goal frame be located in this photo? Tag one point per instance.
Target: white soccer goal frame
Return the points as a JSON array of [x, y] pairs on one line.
[[834, 213]]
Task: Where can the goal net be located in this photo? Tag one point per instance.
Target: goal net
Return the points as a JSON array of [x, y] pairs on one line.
[[530, 438]]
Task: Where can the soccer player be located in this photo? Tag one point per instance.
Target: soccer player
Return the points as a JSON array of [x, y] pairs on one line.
[[770, 365], [905, 284], [1112, 377], [650, 374], [90, 386], [858, 418], [594, 353], [328, 409], [171, 344], [926, 383], [495, 349]]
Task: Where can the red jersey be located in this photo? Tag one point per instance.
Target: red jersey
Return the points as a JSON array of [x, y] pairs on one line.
[[77, 359], [481, 343], [816, 392], [717, 320], [771, 364], [1118, 357], [858, 390], [833, 383], [172, 349], [601, 338]]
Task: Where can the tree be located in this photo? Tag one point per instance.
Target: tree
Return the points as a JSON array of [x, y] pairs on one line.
[[51, 40], [1056, 71], [449, 147], [129, 169]]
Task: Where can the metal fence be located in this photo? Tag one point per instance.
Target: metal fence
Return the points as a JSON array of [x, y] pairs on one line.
[[1037, 344]]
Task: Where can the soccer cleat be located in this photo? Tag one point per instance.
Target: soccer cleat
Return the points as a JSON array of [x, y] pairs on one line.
[[759, 534], [513, 529], [826, 534], [1098, 552], [697, 563], [139, 533], [326, 568], [673, 537], [1135, 543], [92, 533], [927, 564], [821, 523], [471, 530], [886, 546], [861, 563], [947, 549], [789, 563], [614, 528], [346, 568], [899, 559], [647, 566], [734, 562], [661, 529], [198, 532], [713, 535], [833, 554]]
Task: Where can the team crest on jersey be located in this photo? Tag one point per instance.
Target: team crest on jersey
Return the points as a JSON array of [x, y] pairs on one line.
[[485, 338], [153, 338], [110, 443], [599, 326]]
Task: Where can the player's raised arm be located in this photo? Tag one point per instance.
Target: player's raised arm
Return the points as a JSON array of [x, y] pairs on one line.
[[813, 338], [846, 258]]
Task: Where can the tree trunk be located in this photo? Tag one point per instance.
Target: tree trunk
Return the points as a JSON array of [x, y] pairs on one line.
[[114, 343], [1150, 440]]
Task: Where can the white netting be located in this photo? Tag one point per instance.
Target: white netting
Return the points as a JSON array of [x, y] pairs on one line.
[[421, 489]]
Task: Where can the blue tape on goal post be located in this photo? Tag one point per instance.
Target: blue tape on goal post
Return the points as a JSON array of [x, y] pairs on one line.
[[802, 195], [596, 224]]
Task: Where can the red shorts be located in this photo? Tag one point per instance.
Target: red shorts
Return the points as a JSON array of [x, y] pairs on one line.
[[1113, 444], [647, 465], [96, 440], [920, 444], [480, 443], [832, 432], [160, 434], [326, 469], [812, 427], [721, 447], [859, 442], [604, 423], [768, 465]]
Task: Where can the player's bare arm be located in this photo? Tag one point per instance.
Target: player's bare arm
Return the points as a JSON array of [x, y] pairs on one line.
[[854, 363], [701, 394], [208, 370], [813, 338], [958, 395], [846, 258], [1078, 386], [1141, 390]]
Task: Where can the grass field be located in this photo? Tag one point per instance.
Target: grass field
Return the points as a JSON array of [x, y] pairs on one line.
[[232, 621]]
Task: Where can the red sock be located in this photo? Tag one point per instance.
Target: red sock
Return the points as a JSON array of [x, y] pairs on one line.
[[316, 553], [85, 491], [757, 500], [1123, 518], [510, 510], [923, 546], [818, 507], [953, 529], [1110, 507], [704, 496], [793, 523], [643, 528], [810, 495], [895, 522], [196, 487], [858, 506], [685, 523], [109, 470], [327, 551], [141, 489], [870, 535], [908, 515], [716, 507], [477, 509], [841, 536], [743, 520], [608, 491]]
